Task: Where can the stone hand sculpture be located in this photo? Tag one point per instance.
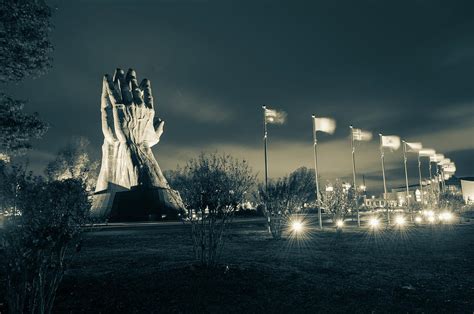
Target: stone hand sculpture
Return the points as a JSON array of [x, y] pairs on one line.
[[130, 129]]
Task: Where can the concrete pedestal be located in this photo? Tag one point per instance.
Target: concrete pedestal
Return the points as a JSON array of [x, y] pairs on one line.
[[137, 204]]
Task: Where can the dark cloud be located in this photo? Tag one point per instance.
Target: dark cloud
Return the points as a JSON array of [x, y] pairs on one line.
[[400, 67]]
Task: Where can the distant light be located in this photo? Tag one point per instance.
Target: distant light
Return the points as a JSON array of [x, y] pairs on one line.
[[418, 219], [329, 188], [446, 216], [400, 220], [297, 226], [374, 223], [339, 223], [362, 187], [428, 213], [431, 219]]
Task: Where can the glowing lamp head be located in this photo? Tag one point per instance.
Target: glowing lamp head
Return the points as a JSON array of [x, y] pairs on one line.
[[339, 223], [297, 226], [400, 221], [429, 213], [446, 216], [374, 223], [431, 219], [418, 219]]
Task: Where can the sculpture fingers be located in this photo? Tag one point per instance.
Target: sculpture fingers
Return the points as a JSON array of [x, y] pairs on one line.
[[155, 134], [159, 128], [113, 94], [107, 120], [117, 111], [104, 98], [108, 125], [122, 85], [145, 85], [136, 91]]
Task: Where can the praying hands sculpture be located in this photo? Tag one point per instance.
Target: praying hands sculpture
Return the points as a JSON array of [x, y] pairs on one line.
[[130, 129]]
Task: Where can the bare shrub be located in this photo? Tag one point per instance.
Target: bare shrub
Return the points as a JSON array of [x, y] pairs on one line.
[[44, 222], [286, 196], [212, 187]]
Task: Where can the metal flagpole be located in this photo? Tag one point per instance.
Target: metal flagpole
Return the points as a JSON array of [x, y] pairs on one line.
[[316, 171], [431, 190], [443, 182], [383, 175], [421, 183], [406, 173], [265, 146], [354, 174], [266, 161], [438, 174], [429, 168]]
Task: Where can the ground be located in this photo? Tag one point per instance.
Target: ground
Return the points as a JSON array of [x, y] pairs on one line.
[[149, 268]]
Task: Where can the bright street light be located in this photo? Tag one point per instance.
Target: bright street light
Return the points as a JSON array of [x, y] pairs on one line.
[[400, 221], [418, 219], [297, 226], [374, 223], [446, 216], [339, 223]]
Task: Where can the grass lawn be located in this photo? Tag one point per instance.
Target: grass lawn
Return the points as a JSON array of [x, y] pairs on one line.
[[150, 269]]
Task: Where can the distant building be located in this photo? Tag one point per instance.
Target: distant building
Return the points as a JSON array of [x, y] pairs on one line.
[[398, 195], [467, 189]]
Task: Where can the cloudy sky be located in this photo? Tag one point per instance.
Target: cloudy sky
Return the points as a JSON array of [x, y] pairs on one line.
[[397, 67]]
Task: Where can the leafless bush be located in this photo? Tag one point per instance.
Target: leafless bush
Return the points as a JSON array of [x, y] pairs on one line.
[[285, 196], [337, 200], [45, 223], [212, 186]]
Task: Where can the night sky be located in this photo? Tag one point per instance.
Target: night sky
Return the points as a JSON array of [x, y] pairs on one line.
[[397, 67]]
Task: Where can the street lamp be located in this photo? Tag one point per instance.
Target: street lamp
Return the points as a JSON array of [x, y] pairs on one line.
[[297, 226], [374, 222], [400, 221]]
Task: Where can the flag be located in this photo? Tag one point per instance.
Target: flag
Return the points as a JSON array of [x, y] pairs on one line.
[[361, 135], [274, 116], [444, 161], [326, 125], [426, 152], [391, 141], [449, 168], [436, 158], [414, 147]]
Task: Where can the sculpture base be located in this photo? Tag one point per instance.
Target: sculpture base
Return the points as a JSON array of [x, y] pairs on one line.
[[137, 204]]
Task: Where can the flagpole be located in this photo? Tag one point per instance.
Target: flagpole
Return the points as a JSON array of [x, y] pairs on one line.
[[316, 171], [383, 175], [406, 173], [265, 147], [421, 183], [354, 174], [443, 182], [429, 168]]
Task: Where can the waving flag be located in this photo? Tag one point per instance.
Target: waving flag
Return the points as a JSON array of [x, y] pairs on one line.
[[414, 147], [436, 158], [391, 141], [326, 125], [361, 135], [445, 161], [449, 168], [426, 152], [274, 116]]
